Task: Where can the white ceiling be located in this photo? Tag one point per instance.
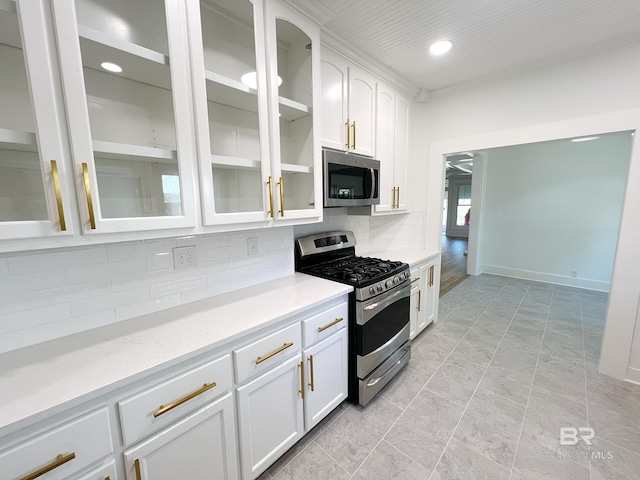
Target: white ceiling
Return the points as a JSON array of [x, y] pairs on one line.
[[492, 37]]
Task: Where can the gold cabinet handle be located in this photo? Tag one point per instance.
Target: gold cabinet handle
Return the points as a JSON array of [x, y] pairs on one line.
[[107, 477], [419, 299], [431, 272], [301, 391], [346, 124], [56, 188], [281, 185], [312, 382], [171, 406], [354, 134], [275, 352], [393, 198], [136, 466], [270, 183], [60, 460], [415, 279], [87, 191], [398, 200], [328, 325]]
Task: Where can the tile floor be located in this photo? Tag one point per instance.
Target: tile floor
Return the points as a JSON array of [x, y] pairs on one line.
[[484, 397]]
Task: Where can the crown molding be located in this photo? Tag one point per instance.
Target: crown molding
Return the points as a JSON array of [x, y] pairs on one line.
[[312, 9]]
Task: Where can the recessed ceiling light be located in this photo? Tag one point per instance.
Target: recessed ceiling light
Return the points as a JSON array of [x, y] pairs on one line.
[[251, 80], [111, 67], [440, 47], [583, 139]]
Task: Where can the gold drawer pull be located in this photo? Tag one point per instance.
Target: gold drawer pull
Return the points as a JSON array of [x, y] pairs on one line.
[[275, 352], [171, 406], [60, 460], [348, 144], [270, 183], [56, 187], [301, 391], [281, 185], [312, 379], [415, 279], [419, 299], [87, 191], [328, 325]]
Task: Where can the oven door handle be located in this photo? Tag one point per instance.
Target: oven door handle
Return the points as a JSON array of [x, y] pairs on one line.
[[373, 182], [389, 371], [370, 309]]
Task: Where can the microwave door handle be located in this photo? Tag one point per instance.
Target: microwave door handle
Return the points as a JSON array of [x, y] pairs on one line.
[[373, 182]]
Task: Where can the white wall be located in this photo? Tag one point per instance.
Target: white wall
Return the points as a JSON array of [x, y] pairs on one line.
[[587, 95], [554, 207]]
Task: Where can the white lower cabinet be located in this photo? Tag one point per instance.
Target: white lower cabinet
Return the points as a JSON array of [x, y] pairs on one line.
[[425, 278], [327, 384], [202, 446], [105, 472], [270, 416]]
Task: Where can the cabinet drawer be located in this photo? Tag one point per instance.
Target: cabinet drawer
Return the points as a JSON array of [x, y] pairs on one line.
[[325, 324], [267, 351], [105, 472], [158, 406], [65, 449]]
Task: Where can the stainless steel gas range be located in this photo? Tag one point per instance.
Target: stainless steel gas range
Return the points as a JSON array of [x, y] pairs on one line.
[[379, 344]]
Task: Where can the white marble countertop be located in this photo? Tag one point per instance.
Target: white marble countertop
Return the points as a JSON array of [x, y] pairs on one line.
[[403, 255], [45, 379]]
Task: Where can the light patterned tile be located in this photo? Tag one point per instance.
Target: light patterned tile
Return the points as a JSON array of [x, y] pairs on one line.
[[312, 462], [456, 380], [612, 462], [459, 461], [56, 260], [387, 462]]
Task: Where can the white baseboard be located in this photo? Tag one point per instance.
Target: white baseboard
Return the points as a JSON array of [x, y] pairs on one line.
[[633, 375], [547, 278]]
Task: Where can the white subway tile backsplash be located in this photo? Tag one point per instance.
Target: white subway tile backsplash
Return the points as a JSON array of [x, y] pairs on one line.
[[33, 318], [33, 282], [177, 286], [105, 271], [44, 262], [160, 261], [147, 306], [134, 251], [69, 326], [232, 251], [127, 282], [110, 301], [53, 296]]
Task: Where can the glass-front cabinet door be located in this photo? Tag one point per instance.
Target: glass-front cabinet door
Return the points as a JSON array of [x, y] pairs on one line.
[[294, 80], [34, 193], [229, 84], [125, 72]]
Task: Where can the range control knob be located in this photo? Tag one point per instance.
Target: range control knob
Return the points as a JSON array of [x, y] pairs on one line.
[[406, 275], [388, 283], [396, 280], [372, 290], [380, 287]]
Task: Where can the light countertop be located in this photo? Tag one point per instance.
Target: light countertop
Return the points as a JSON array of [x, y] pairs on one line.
[[45, 379]]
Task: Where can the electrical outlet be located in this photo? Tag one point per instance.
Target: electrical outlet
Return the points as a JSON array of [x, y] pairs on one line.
[[184, 257], [574, 274], [252, 246]]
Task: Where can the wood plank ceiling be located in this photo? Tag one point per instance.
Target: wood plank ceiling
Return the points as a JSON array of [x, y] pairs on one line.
[[492, 37]]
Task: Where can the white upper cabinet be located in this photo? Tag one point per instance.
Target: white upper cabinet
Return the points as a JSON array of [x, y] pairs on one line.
[[348, 102], [393, 115], [293, 79], [229, 88], [130, 124], [34, 191]]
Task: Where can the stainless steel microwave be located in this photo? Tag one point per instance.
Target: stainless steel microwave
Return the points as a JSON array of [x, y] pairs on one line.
[[350, 180]]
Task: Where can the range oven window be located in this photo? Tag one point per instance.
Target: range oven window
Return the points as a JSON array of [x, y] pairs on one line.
[[348, 182], [382, 327]]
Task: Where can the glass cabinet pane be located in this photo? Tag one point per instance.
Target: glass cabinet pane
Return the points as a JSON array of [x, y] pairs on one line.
[[295, 115], [130, 100], [233, 108], [22, 194]]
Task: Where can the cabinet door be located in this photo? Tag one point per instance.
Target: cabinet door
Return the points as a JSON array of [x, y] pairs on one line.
[[229, 88], [401, 151], [334, 101], [362, 99], [385, 145], [327, 387], [416, 297], [106, 472], [201, 446], [126, 82], [34, 191], [293, 45], [432, 292], [270, 416]]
